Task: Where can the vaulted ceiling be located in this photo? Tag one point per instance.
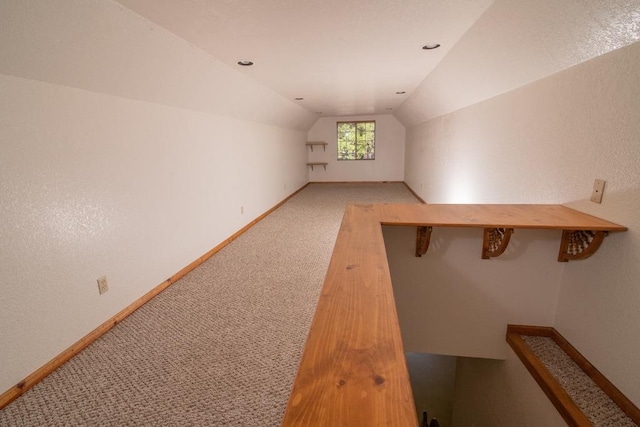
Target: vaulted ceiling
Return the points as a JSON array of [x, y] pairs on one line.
[[342, 57], [352, 57]]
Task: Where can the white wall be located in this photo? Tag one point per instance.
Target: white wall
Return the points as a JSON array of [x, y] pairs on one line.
[[104, 47], [97, 179], [599, 305], [500, 393], [387, 166], [433, 379], [517, 42], [545, 143], [452, 302]]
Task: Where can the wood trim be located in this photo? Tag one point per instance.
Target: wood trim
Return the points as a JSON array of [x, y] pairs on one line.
[[601, 381], [353, 370], [533, 216], [310, 144], [607, 386], [37, 376], [359, 183], [414, 193], [537, 331], [551, 387]]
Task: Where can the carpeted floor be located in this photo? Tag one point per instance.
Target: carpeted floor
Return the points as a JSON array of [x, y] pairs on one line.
[[221, 346], [593, 402]]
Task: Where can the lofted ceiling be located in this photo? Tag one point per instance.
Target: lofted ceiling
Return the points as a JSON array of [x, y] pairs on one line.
[[351, 57], [342, 57]]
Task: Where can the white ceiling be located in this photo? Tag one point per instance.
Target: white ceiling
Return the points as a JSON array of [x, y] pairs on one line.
[[350, 57], [342, 57]]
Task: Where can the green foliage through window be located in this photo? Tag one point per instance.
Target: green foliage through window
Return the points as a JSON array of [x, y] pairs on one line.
[[357, 140]]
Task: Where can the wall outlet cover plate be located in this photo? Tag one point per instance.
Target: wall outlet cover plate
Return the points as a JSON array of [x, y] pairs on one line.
[[102, 285], [598, 190]]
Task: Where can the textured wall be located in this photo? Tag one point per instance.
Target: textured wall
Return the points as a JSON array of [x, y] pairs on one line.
[[104, 47], [545, 143], [517, 42], [500, 393], [452, 302], [96, 184], [387, 166]]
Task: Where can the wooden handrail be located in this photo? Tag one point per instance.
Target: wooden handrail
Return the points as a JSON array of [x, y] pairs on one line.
[[353, 370], [552, 388]]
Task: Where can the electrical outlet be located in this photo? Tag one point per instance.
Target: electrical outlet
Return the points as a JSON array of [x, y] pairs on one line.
[[598, 190], [242, 209], [102, 285]]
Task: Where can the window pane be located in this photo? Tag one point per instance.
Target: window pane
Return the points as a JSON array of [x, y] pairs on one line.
[[356, 140], [346, 141]]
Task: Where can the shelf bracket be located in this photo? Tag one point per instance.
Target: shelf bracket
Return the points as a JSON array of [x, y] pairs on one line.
[[423, 237], [579, 244], [311, 144], [495, 241]]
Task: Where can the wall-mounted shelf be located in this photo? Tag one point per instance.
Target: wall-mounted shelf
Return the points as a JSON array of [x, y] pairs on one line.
[[311, 144], [582, 234], [323, 164]]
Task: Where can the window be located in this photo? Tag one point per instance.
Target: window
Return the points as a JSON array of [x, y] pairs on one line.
[[357, 140]]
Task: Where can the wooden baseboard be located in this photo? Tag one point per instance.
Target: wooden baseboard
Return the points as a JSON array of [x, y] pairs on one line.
[[373, 182], [414, 193], [37, 376], [550, 385], [356, 182]]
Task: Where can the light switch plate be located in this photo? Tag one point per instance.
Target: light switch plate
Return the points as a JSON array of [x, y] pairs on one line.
[[598, 190]]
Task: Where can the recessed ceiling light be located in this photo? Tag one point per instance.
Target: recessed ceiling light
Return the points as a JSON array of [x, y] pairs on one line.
[[299, 99], [401, 92], [431, 46], [245, 63]]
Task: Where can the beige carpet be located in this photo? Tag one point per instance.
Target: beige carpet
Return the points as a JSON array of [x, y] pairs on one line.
[[219, 347], [586, 394]]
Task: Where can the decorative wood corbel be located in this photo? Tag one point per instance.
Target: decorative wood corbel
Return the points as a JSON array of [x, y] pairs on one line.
[[423, 238], [579, 244], [495, 241]]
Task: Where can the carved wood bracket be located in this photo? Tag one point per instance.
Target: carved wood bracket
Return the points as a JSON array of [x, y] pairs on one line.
[[575, 244], [423, 238], [495, 241], [579, 244]]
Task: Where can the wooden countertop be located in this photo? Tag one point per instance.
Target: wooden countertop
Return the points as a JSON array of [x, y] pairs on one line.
[[353, 370]]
